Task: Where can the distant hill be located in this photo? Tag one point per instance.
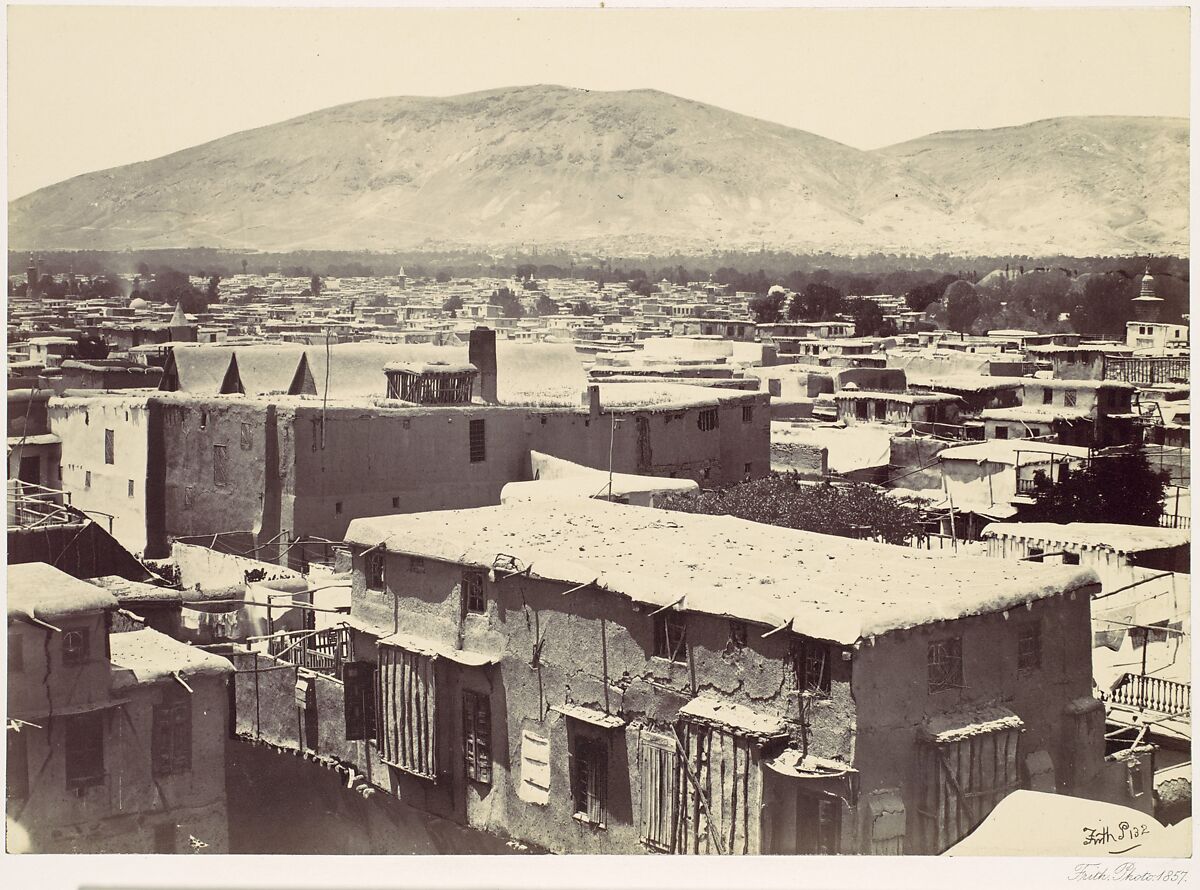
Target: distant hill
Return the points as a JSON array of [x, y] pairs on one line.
[[626, 170]]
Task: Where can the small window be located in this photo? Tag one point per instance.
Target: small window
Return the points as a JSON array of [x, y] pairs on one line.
[[748, 469], [375, 564], [171, 734], [129, 488], [737, 634], [477, 736], [810, 666], [860, 409], [1047, 396], [395, 503], [87, 478], [1001, 432], [75, 646], [590, 781], [708, 419], [220, 465], [1070, 559], [945, 664], [747, 413], [203, 420], [1035, 554], [83, 749], [416, 565], [109, 447], [472, 593], [189, 497], [1070, 397], [337, 508], [670, 636], [1029, 647], [247, 440], [478, 441]]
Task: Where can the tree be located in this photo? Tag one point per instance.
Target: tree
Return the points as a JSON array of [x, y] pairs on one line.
[[171, 286], [1118, 486], [919, 298], [852, 509], [213, 292], [510, 305], [583, 307], [453, 304], [526, 271], [1105, 305], [442, 276], [314, 285], [766, 309], [820, 302], [963, 306], [868, 318], [545, 305]]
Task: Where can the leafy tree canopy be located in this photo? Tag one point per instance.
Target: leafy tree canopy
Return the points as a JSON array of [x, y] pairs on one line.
[[1118, 486]]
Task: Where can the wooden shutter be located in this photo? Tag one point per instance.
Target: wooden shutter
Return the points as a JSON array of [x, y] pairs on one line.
[[359, 700], [659, 783], [408, 704], [591, 780], [535, 769], [477, 724], [965, 780]]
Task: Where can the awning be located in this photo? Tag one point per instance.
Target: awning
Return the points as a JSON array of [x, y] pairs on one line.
[[68, 710], [733, 718], [956, 726], [589, 715], [793, 764], [435, 649]]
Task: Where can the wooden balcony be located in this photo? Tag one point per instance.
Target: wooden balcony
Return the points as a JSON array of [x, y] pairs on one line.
[[320, 651], [1151, 694]]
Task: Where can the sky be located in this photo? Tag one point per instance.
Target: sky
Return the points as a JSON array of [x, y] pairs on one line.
[[96, 87]]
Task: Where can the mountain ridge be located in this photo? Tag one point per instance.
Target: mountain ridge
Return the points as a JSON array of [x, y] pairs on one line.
[[558, 166]]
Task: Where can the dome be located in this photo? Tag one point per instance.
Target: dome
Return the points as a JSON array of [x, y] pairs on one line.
[[1148, 292], [138, 303], [776, 289]]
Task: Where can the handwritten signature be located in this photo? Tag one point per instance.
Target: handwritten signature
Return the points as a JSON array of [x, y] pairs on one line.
[[1108, 834], [1127, 871]]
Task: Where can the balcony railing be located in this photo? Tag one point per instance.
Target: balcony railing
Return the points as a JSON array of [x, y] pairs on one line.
[[321, 651], [1152, 694]]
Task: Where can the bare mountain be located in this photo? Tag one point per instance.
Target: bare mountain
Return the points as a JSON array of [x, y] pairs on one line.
[[554, 166]]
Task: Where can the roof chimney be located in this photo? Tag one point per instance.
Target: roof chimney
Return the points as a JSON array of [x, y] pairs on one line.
[[482, 354]]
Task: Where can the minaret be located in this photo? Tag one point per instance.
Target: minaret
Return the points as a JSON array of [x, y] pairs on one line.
[[31, 278], [1148, 305]]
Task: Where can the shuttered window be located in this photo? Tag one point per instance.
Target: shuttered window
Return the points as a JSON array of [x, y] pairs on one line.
[[670, 636], [535, 769], [109, 447], [171, 735], [220, 465], [660, 785], [472, 593], [964, 780], [478, 441], [477, 736], [358, 678], [590, 776], [408, 711]]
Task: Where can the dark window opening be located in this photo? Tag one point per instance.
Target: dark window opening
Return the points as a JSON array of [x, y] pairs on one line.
[[203, 420], [1070, 398], [129, 488], [747, 413], [1029, 647], [1047, 396], [472, 593], [1001, 432], [171, 736], [83, 749], [860, 409], [395, 503], [1035, 554], [337, 508], [30, 470], [822, 821], [670, 636], [109, 447], [375, 564], [1070, 559], [945, 664], [478, 437], [737, 634], [590, 781], [358, 678], [708, 419], [246, 438], [75, 646], [477, 735]]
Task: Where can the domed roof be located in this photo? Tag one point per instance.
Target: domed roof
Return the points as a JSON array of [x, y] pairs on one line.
[[138, 303], [1148, 292], [776, 289]]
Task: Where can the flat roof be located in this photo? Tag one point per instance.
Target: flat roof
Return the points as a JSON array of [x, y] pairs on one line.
[[1004, 451], [38, 590], [827, 587], [143, 656], [1100, 535]]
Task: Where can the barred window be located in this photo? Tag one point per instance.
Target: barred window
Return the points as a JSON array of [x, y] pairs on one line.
[[247, 439], [220, 465], [472, 593], [477, 736], [375, 564], [708, 419], [945, 664], [1070, 397], [109, 447], [747, 413], [478, 441], [810, 666], [171, 736], [670, 636], [1047, 396], [129, 488], [1029, 647], [590, 780]]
